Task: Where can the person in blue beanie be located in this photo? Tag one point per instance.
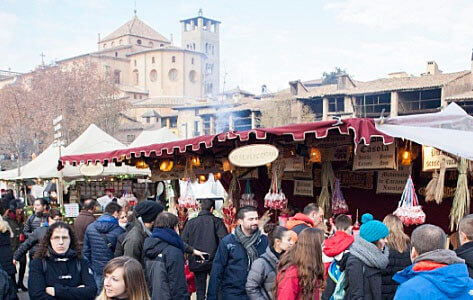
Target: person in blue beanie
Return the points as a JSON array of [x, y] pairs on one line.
[[368, 257], [436, 273]]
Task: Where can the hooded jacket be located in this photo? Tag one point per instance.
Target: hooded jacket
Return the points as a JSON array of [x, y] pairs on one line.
[[260, 281], [435, 275], [289, 288], [165, 268], [397, 262], [299, 222], [34, 221], [465, 252], [62, 273], [95, 248], [230, 268]]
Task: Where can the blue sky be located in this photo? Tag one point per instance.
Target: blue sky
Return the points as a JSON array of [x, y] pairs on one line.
[[262, 42]]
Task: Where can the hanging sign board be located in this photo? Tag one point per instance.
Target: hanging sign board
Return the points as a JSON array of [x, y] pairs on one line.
[[91, 169], [306, 174], [432, 157], [376, 156], [304, 188], [392, 181], [349, 179], [340, 153], [253, 155], [71, 210], [294, 164]]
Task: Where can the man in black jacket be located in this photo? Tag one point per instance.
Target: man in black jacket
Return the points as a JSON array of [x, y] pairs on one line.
[[32, 242], [37, 219], [465, 251], [203, 232]]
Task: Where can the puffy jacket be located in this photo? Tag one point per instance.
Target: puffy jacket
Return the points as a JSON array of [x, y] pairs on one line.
[[84, 219], [34, 221], [31, 244], [299, 222], [119, 251], [7, 290], [260, 281], [397, 262], [362, 282], [17, 230], [165, 270], [62, 273], [6, 254], [465, 251], [230, 268], [288, 287], [95, 248], [204, 233], [445, 282]]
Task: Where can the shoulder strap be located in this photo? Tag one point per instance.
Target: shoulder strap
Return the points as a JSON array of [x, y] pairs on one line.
[[107, 241], [45, 265], [269, 263]]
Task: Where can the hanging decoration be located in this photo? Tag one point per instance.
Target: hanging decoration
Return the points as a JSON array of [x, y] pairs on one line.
[[441, 181], [187, 198], [339, 205], [409, 210], [248, 198], [431, 187], [141, 164], [228, 210], [275, 198], [166, 165], [328, 177], [461, 201], [405, 154]]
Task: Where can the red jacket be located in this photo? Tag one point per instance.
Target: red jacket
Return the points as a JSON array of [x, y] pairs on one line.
[[288, 288], [299, 219]]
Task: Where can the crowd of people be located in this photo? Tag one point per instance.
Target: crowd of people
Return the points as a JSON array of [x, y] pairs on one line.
[[141, 254]]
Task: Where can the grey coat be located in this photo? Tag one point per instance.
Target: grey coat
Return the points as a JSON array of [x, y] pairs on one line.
[[262, 275]]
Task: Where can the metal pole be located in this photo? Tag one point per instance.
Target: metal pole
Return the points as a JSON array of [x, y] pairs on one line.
[[60, 181]]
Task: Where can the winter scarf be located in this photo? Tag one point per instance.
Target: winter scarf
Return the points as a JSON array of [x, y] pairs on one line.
[[369, 254], [249, 243], [443, 256], [168, 235], [70, 253]]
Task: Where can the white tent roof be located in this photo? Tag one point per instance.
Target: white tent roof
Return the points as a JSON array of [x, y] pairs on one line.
[[450, 130], [149, 137], [92, 140]]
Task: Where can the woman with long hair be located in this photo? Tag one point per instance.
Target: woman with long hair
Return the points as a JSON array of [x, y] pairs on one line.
[[301, 270], [58, 271], [6, 253], [123, 278], [368, 257], [399, 255], [262, 275]]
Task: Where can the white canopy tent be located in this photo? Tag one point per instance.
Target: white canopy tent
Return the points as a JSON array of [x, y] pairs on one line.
[[149, 137], [450, 130]]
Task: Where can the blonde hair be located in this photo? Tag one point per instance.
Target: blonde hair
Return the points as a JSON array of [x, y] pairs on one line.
[[133, 276], [4, 226], [396, 239]]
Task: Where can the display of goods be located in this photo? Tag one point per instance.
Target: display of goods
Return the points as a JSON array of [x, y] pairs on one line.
[[187, 199], [275, 198], [339, 205], [409, 210], [130, 198], [248, 198]]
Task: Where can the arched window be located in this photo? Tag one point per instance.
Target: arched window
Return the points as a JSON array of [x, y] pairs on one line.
[[173, 59], [153, 75], [152, 60], [136, 77], [104, 46], [116, 76], [193, 46], [173, 74], [135, 62], [193, 76], [151, 44], [120, 42], [192, 60], [113, 44], [116, 54], [138, 42], [161, 45]]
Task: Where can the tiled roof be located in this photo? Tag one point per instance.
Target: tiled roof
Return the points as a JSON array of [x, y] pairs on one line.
[[150, 114], [389, 84], [131, 89], [136, 27], [164, 100], [464, 96]]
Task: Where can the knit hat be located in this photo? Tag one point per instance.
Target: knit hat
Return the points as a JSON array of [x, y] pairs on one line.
[[372, 230], [148, 210]]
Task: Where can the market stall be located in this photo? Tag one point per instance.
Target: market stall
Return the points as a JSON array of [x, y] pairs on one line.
[[350, 166]]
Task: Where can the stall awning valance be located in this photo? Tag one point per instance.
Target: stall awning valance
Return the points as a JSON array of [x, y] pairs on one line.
[[362, 129]]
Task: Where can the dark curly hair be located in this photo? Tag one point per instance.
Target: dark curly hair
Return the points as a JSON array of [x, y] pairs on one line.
[[43, 251]]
